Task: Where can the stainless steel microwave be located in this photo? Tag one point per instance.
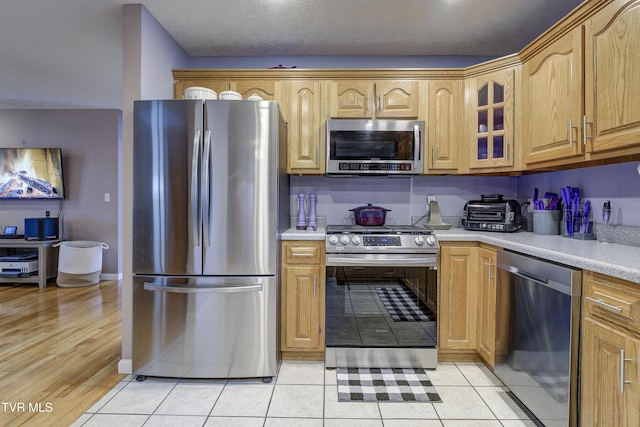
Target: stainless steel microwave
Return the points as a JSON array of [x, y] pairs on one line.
[[375, 147]]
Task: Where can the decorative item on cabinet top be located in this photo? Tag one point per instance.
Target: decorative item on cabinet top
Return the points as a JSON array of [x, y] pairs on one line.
[[197, 92]]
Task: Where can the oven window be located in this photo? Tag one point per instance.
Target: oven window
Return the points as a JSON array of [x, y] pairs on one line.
[[363, 145], [381, 307]]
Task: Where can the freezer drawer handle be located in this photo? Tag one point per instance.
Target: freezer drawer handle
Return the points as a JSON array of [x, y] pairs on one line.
[[201, 290]]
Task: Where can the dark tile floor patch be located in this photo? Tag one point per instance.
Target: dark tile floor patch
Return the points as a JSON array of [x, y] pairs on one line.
[[385, 385], [401, 305]]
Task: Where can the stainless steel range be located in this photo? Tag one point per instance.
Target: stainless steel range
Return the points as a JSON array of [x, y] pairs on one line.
[[381, 296]]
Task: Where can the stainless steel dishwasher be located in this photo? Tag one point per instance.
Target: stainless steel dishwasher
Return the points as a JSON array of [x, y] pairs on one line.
[[537, 335]]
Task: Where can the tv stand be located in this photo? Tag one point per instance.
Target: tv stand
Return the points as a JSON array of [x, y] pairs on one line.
[[47, 259]]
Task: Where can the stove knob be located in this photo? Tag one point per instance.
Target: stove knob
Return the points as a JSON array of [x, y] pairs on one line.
[[333, 240], [431, 240], [356, 240], [344, 240], [419, 240]]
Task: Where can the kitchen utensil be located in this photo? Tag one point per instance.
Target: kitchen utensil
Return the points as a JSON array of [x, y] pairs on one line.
[[370, 215], [302, 214], [606, 212], [313, 216], [585, 216], [435, 220], [546, 222]]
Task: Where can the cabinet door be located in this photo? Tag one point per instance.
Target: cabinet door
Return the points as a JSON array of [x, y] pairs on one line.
[[458, 298], [444, 118], [363, 99], [396, 99], [269, 90], [351, 99], [302, 328], [492, 120], [487, 304], [552, 97], [306, 139], [604, 402], [612, 86]]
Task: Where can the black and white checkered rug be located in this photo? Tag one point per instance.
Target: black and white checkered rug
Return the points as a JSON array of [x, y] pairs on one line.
[[401, 305], [385, 385]]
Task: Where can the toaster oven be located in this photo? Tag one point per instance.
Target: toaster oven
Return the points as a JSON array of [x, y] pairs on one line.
[[492, 213]]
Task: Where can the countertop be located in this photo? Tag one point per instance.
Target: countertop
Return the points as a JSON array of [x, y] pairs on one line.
[[612, 259], [295, 234]]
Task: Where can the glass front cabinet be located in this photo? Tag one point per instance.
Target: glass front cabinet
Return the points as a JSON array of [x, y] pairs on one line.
[[491, 120]]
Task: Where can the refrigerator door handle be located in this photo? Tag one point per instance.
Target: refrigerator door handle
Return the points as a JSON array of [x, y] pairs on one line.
[[201, 289], [205, 188], [195, 209]]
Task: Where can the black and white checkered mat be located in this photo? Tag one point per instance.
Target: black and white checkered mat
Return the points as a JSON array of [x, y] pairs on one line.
[[385, 385], [401, 305]]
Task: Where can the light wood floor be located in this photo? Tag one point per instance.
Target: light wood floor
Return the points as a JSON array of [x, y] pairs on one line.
[[59, 349]]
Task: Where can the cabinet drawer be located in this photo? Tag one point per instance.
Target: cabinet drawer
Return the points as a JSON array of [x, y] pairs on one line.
[[303, 253], [614, 299]]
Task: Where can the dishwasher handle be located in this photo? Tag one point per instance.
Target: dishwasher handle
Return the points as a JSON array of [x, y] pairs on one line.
[[527, 276], [556, 286], [201, 289]]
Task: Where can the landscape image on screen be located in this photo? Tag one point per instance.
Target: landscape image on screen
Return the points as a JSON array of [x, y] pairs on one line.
[[31, 173]]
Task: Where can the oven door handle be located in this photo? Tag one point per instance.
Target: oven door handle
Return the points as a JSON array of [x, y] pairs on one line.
[[381, 260]]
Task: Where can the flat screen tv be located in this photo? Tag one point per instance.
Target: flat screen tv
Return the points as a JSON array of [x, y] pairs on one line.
[[31, 173]]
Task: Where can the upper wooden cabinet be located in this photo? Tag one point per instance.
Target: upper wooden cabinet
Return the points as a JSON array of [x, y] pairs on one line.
[[444, 115], [571, 96], [305, 134], [361, 99], [552, 101], [269, 90], [491, 117], [575, 112], [612, 86]]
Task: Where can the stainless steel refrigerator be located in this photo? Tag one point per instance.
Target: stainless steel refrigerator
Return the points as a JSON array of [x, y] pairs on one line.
[[210, 199]]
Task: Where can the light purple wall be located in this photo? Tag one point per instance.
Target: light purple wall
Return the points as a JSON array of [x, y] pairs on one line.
[[618, 183], [337, 61], [406, 197], [159, 55], [149, 56], [89, 140]]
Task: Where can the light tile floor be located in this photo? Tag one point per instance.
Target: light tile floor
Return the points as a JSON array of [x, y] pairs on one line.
[[304, 394]]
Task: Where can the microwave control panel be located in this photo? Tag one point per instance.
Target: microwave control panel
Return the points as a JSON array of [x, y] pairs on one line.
[[356, 166]]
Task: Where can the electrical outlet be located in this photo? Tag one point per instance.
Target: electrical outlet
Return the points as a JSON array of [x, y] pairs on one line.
[[431, 199]]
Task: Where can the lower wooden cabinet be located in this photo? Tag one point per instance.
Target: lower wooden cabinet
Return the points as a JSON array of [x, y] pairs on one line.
[[609, 375], [487, 278], [303, 296], [457, 301]]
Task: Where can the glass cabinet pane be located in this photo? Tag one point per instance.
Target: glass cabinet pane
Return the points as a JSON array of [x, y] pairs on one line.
[[482, 149], [483, 96], [498, 147], [498, 118], [483, 121], [498, 93]]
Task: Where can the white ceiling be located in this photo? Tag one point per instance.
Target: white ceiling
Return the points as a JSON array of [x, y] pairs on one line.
[[68, 53]]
